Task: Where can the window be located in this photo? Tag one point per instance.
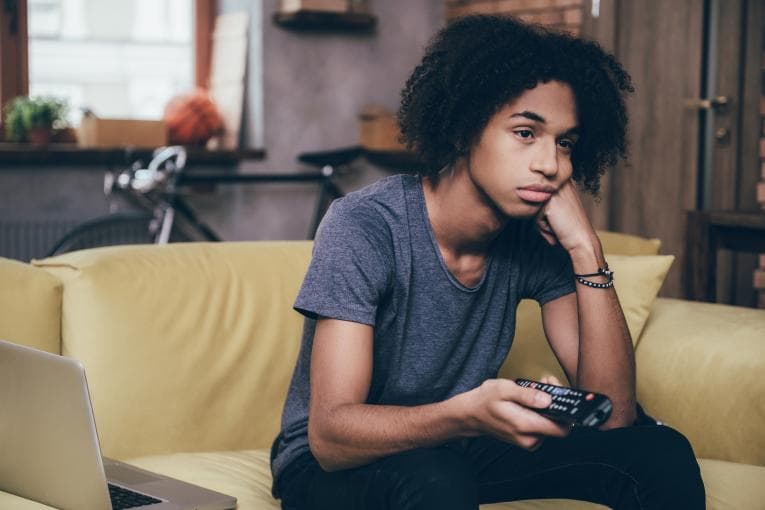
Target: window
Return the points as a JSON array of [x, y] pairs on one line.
[[118, 58]]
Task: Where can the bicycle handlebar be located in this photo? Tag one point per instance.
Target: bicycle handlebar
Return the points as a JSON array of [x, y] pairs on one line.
[[165, 165], [164, 156]]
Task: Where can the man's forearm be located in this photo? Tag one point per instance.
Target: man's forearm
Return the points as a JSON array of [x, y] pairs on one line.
[[606, 361], [352, 435]]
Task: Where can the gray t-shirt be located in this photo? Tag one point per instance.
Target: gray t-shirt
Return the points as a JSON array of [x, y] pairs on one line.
[[376, 261]]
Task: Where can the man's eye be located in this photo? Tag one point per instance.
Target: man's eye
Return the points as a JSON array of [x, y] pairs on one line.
[[525, 133], [566, 144]]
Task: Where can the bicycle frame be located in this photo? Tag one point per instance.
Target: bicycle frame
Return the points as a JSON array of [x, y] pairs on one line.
[[156, 188]]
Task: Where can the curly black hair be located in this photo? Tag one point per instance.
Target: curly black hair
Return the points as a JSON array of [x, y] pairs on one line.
[[478, 64]]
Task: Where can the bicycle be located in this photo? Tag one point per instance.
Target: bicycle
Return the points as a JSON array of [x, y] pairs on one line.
[[163, 213]]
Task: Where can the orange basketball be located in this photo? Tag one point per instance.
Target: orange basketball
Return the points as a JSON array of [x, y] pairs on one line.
[[192, 118]]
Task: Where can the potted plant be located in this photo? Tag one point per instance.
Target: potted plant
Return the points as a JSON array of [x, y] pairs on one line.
[[33, 119]]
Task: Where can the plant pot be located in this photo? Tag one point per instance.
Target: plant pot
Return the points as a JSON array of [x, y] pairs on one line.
[[40, 135]]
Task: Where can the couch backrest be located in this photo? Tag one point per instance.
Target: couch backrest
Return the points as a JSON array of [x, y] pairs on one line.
[[30, 306], [191, 347], [187, 347], [616, 243]]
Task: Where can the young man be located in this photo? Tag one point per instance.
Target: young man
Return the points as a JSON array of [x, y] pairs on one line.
[[411, 294]]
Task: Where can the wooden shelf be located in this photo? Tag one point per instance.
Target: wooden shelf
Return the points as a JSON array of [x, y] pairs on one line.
[[12, 154], [402, 161], [326, 21], [397, 161]]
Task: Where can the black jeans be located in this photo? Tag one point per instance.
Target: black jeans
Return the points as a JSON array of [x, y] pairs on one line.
[[640, 467]]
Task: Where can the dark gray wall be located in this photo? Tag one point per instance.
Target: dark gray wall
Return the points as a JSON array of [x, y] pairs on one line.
[[314, 85]]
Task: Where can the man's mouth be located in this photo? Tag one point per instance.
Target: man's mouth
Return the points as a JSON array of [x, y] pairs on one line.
[[536, 194]]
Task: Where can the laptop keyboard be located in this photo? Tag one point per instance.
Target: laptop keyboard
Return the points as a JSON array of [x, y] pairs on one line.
[[124, 498]]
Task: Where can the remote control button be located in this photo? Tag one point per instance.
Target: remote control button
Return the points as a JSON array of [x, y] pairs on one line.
[[589, 396]]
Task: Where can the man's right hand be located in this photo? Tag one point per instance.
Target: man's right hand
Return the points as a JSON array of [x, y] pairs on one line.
[[500, 408]]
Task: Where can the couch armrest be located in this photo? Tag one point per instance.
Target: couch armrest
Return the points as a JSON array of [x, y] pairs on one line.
[[30, 306], [11, 502], [701, 369]]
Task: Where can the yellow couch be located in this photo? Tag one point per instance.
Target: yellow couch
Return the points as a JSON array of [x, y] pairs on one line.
[[189, 350]]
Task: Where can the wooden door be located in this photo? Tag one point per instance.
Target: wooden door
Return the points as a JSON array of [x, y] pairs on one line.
[[730, 161], [660, 44], [683, 157]]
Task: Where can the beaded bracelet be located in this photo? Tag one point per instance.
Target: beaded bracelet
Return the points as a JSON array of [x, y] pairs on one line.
[[602, 271]]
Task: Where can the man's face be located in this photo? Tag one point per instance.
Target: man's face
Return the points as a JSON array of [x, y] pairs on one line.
[[523, 155]]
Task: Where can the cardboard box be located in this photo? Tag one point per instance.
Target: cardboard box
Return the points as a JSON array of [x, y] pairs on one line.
[[288, 6], [379, 130], [102, 133]]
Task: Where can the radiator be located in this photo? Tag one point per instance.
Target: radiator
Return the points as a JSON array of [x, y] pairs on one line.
[[27, 239]]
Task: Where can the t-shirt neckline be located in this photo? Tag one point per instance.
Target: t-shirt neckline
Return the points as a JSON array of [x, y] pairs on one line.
[[425, 221]]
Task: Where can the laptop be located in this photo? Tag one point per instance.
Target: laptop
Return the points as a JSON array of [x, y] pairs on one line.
[[49, 450]]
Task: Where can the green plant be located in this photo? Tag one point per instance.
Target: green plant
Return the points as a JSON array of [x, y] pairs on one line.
[[25, 114]]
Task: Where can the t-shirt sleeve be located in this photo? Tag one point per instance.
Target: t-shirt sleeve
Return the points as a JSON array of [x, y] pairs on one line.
[[351, 266], [547, 269]]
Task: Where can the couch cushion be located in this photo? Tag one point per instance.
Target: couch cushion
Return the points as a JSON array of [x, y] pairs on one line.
[[732, 486], [187, 347], [12, 502], [246, 475], [617, 243], [700, 369], [637, 280], [30, 306]]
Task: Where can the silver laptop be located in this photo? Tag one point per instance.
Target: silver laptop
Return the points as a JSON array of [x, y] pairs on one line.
[[49, 450]]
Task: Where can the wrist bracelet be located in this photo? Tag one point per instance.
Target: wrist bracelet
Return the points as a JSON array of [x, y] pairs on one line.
[[602, 271]]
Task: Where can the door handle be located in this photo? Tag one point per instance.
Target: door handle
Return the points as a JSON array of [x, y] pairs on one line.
[[719, 104]]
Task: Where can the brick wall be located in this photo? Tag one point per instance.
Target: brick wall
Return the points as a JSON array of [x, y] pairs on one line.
[[563, 15]]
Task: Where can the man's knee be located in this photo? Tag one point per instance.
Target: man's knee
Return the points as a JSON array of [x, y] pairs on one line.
[[674, 449], [670, 471], [435, 478]]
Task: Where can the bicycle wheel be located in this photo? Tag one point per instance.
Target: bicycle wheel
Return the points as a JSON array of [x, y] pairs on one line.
[[111, 230]]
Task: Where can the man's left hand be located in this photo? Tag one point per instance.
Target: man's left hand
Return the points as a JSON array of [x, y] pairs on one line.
[[563, 220]]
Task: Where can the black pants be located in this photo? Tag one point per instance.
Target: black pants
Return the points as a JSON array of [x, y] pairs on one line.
[[640, 467]]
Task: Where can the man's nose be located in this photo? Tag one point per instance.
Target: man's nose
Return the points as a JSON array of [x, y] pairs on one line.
[[546, 159]]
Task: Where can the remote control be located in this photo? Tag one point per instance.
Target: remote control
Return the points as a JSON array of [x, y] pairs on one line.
[[569, 405]]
